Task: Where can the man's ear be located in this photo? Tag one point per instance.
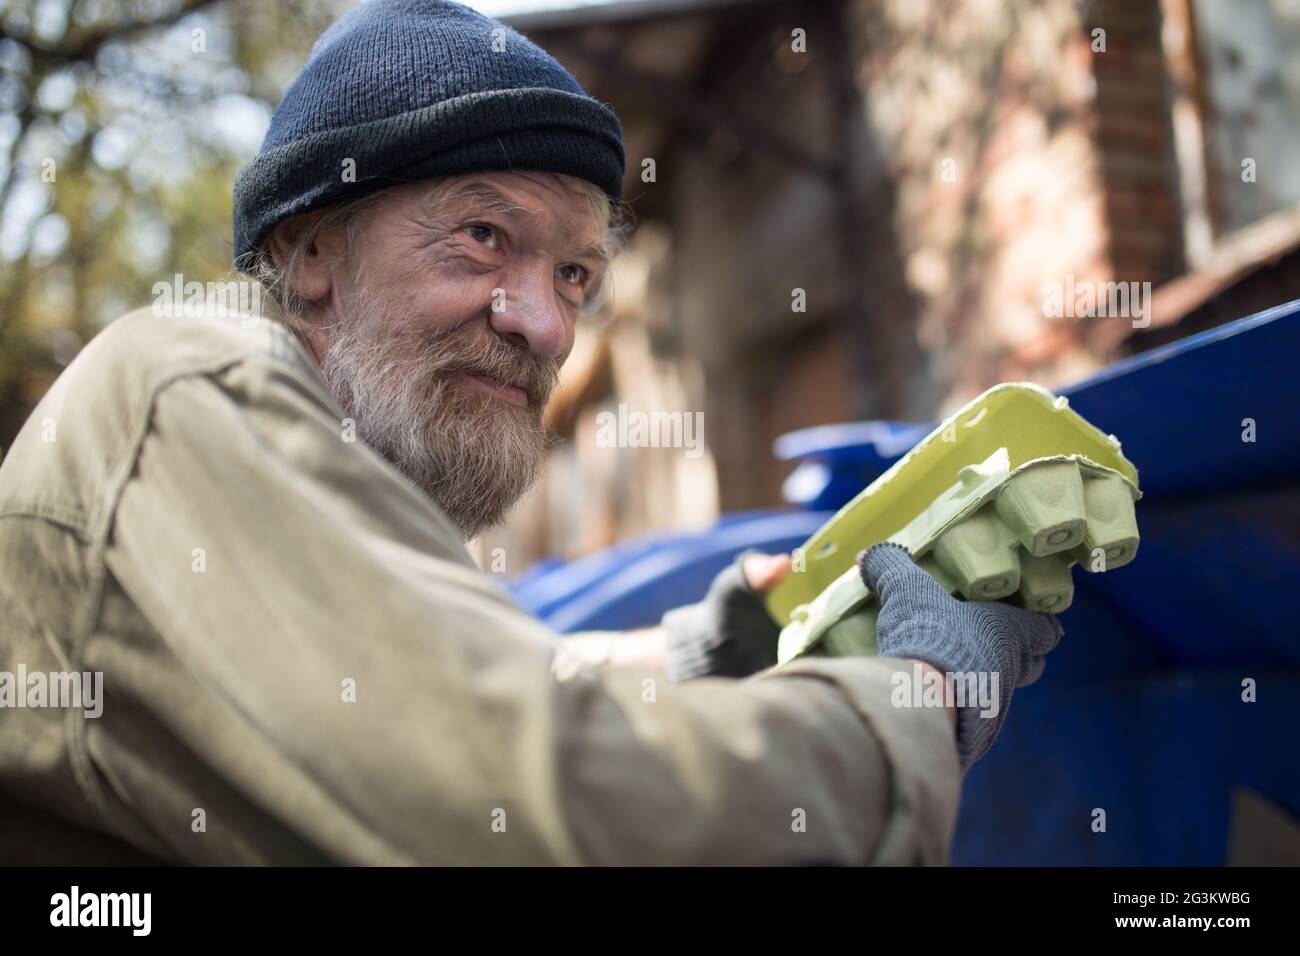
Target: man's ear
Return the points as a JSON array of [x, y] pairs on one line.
[[314, 278]]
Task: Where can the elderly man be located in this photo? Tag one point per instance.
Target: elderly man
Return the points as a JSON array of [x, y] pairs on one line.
[[246, 534]]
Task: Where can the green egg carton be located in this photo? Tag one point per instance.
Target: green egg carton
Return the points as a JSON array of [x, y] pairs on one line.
[[998, 503]]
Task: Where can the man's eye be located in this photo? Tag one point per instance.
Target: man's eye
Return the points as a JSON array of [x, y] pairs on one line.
[[485, 235], [571, 273]]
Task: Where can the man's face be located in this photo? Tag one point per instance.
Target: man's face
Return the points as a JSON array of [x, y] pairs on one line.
[[444, 333]]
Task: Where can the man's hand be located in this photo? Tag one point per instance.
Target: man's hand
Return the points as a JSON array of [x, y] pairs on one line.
[[920, 620], [729, 633]]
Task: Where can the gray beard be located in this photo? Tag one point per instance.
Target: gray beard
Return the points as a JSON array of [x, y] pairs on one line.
[[474, 455]]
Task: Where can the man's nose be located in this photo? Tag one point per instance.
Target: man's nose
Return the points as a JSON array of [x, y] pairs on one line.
[[530, 307]]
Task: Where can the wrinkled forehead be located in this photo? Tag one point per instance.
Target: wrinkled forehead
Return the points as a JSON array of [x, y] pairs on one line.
[[522, 195], [577, 212]]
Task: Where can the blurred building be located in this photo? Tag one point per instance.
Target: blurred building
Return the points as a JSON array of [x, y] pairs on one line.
[[856, 208], [844, 209]]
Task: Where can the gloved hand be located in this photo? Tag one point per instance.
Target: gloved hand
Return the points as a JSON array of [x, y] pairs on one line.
[[920, 620], [729, 633]]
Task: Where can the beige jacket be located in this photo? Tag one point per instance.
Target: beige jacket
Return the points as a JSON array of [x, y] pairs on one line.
[[301, 663]]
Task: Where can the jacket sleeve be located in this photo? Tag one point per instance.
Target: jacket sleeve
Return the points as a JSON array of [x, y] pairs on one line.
[[327, 654]]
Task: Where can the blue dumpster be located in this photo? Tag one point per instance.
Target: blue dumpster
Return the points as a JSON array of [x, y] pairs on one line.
[[1144, 720]]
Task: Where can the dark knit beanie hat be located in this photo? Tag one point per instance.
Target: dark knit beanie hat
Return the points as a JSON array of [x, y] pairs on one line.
[[412, 89]]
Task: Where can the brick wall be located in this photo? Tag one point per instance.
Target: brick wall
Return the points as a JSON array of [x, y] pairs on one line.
[[1058, 164]]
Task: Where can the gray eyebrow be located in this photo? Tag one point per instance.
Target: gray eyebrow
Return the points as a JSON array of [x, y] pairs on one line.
[[497, 201], [485, 193], [595, 251]]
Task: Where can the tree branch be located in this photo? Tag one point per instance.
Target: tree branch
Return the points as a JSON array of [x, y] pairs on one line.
[[82, 49]]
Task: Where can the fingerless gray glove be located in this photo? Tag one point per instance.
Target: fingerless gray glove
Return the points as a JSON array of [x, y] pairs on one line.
[[728, 634], [920, 620]]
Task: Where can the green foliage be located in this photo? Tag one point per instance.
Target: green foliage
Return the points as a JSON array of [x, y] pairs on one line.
[[122, 126]]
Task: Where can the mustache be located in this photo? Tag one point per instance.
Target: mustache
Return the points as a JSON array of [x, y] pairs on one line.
[[483, 352]]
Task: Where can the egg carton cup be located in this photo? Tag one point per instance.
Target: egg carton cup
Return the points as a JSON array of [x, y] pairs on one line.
[[1011, 527]]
